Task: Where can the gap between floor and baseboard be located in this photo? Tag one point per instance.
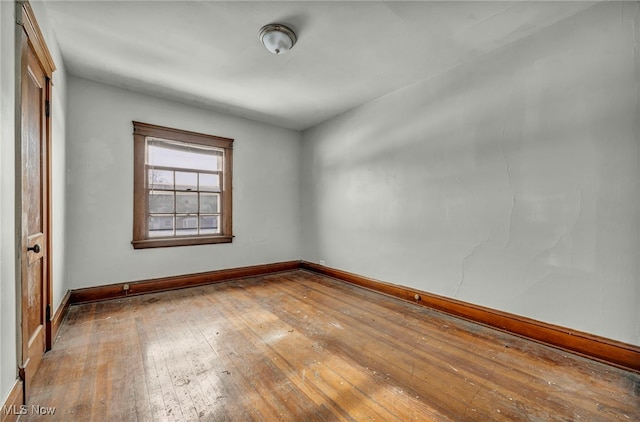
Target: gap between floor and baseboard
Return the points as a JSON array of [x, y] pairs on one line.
[[606, 350]]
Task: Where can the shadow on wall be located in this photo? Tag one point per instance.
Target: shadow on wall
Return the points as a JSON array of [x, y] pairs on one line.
[[506, 182]]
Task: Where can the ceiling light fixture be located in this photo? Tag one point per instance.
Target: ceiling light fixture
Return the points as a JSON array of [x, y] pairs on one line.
[[277, 38]]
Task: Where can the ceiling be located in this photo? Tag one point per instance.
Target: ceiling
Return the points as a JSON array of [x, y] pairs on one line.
[[348, 52]]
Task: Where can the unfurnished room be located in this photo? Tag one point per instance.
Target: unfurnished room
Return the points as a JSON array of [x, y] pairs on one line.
[[319, 210]]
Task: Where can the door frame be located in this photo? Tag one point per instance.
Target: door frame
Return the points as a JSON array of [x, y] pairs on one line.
[[29, 35]]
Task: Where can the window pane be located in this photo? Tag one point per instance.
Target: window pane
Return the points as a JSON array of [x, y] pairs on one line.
[[160, 179], [186, 202], [180, 187], [209, 182], [160, 202], [209, 203], [209, 224], [186, 181], [186, 225], [161, 152], [160, 225]]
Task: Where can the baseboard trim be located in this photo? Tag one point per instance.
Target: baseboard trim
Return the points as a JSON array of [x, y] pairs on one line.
[[11, 408], [606, 350], [609, 351], [59, 315], [115, 291]]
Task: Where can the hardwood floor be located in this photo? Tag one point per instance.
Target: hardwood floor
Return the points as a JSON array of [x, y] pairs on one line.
[[298, 346]]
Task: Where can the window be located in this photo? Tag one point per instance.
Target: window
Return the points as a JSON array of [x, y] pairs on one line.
[[181, 187]]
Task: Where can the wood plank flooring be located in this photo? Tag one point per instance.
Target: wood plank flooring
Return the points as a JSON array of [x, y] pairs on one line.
[[298, 346]]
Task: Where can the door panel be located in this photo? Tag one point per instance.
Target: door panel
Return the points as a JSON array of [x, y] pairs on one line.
[[34, 213]]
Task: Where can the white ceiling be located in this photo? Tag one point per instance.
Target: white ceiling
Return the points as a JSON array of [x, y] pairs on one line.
[[208, 53]]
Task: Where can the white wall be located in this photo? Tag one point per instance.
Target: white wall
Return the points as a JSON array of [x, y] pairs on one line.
[[8, 346], [266, 219], [58, 158], [511, 181], [8, 255]]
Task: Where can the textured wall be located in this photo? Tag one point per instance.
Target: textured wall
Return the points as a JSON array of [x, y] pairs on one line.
[[511, 181], [100, 192]]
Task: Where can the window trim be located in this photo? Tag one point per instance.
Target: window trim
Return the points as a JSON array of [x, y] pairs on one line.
[[140, 198]]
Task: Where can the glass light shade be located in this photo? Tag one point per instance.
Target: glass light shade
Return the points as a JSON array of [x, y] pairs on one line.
[[278, 39]]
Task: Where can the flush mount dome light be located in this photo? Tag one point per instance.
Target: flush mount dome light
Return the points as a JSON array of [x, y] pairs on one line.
[[277, 38]]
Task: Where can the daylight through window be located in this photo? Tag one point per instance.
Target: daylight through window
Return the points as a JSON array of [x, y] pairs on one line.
[[182, 187]]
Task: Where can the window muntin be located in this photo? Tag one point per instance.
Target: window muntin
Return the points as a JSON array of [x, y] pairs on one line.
[[183, 184], [182, 193]]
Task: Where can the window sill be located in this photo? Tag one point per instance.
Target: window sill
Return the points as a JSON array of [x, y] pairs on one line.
[[166, 242]]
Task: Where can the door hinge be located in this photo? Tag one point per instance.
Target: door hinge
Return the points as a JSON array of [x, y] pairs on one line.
[[47, 108], [48, 312]]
